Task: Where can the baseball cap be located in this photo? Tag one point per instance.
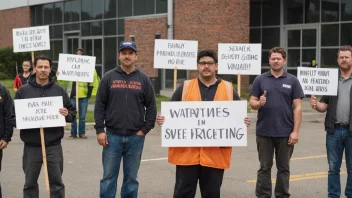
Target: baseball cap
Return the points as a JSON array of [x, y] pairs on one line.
[[128, 44], [80, 49]]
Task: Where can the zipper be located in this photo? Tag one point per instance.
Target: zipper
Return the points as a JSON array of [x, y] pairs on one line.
[[126, 99]]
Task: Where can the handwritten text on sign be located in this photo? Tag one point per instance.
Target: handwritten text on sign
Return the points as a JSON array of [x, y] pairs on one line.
[[169, 54], [240, 59], [318, 81], [194, 124], [76, 68], [31, 39], [39, 113]]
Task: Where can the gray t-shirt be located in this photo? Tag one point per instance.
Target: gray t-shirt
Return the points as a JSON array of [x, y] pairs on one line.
[[343, 100]]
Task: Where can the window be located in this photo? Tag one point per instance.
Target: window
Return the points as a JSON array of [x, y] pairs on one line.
[[161, 6], [124, 8], [39, 15], [48, 13], [255, 13], [86, 12], [346, 34], [293, 12], [85, 29], [110, 8], [110, 53], [328, 58], [97, 28], [110, 27], [271, 12], [270, 37], [58, 10], [56, 32], [97, 9], [72, 10], [312, 11], [346, 10], [254, 35], [330, 35], [57, 49], [143, 7], [121, 27], [329, 10]]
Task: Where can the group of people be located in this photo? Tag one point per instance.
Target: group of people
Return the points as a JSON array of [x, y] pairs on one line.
[[125, 111]]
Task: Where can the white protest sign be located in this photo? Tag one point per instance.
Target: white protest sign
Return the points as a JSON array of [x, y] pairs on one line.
[[240, 58], [31, 39], [202, 124], [39, 112], [76, 68], [318, 81], [169, 54]]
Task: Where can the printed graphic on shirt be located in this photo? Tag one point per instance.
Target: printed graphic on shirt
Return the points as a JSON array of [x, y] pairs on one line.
[[122, 84], [286, 86]]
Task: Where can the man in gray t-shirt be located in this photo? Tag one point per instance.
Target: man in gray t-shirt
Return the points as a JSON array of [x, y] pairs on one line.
[[338, 125]]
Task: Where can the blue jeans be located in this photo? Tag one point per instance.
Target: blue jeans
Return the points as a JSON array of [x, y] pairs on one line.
[[82, 111], [336, 142], [130, 149]]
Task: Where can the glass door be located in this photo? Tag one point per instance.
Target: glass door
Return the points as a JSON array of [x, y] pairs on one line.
[[94, 47], [302, 46]]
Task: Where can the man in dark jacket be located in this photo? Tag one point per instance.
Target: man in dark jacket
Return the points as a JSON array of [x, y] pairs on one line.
[[6, 127], [39, 85], [126, 103]]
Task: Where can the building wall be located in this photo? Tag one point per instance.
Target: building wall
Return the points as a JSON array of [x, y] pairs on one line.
[[10, 19], [144, 31], [211, 22]]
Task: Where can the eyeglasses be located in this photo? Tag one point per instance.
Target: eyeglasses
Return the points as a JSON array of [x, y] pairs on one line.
[[206, 63]]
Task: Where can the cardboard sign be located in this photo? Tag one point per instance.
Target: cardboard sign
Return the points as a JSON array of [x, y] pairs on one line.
[[169, 54], [31, 39], [318, 81], [202, 124], [76, 68], [240, 59], [39, 112]]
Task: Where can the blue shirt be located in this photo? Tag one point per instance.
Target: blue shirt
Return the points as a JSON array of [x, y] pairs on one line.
[[275, 118]]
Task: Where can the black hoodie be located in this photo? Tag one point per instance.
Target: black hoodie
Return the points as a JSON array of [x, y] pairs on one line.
[[126, 102], [6, 105], [52, 135]]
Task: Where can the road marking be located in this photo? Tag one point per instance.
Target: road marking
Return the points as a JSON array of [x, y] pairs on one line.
[[301, 177], [155, 159], [309, 157]]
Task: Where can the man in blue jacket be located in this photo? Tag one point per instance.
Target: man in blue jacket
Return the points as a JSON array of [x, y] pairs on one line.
[[125, 106]]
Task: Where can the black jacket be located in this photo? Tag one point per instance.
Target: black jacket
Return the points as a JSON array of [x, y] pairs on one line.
[[53, 135], [126, 102], [6, 105]]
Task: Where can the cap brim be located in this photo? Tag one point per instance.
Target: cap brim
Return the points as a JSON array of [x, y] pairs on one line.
[[122, 48]]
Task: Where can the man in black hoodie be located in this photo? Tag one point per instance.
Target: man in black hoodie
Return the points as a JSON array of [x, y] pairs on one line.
[[39, 85], [6, 126], [126, 102]]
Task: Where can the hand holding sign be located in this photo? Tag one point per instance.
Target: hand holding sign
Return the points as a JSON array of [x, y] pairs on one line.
[[160, 120], [262, 99], [313, 101]]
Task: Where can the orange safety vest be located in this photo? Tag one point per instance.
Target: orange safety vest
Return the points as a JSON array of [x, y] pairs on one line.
[[215, 157]]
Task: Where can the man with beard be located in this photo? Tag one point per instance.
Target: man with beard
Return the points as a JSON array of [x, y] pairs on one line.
[[40, 85], [125, 106], [206, 164], [277, 95], [338, 124]]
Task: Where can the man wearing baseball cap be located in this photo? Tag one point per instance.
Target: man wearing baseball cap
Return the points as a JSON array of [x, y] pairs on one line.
[[125, 106]]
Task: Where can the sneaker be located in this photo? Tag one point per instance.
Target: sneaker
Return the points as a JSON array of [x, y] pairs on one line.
[[73, 136], [83, 136]]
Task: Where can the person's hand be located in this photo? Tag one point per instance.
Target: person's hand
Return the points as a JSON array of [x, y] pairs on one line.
[[160, 120], [262, 99], [293, 139], [313, 101], [140, 133], [102, 139], [3, 144], [63, 111], [57, 73], [247, 121]]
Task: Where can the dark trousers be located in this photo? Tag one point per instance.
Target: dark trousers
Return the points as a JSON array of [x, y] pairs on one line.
[[0, 171], [266, 147], [32, 163], [210, 180]]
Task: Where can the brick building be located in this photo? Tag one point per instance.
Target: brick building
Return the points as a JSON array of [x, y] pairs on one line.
[[310, 30]]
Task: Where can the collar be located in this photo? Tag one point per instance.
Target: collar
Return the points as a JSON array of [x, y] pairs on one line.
[[284, 75]]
